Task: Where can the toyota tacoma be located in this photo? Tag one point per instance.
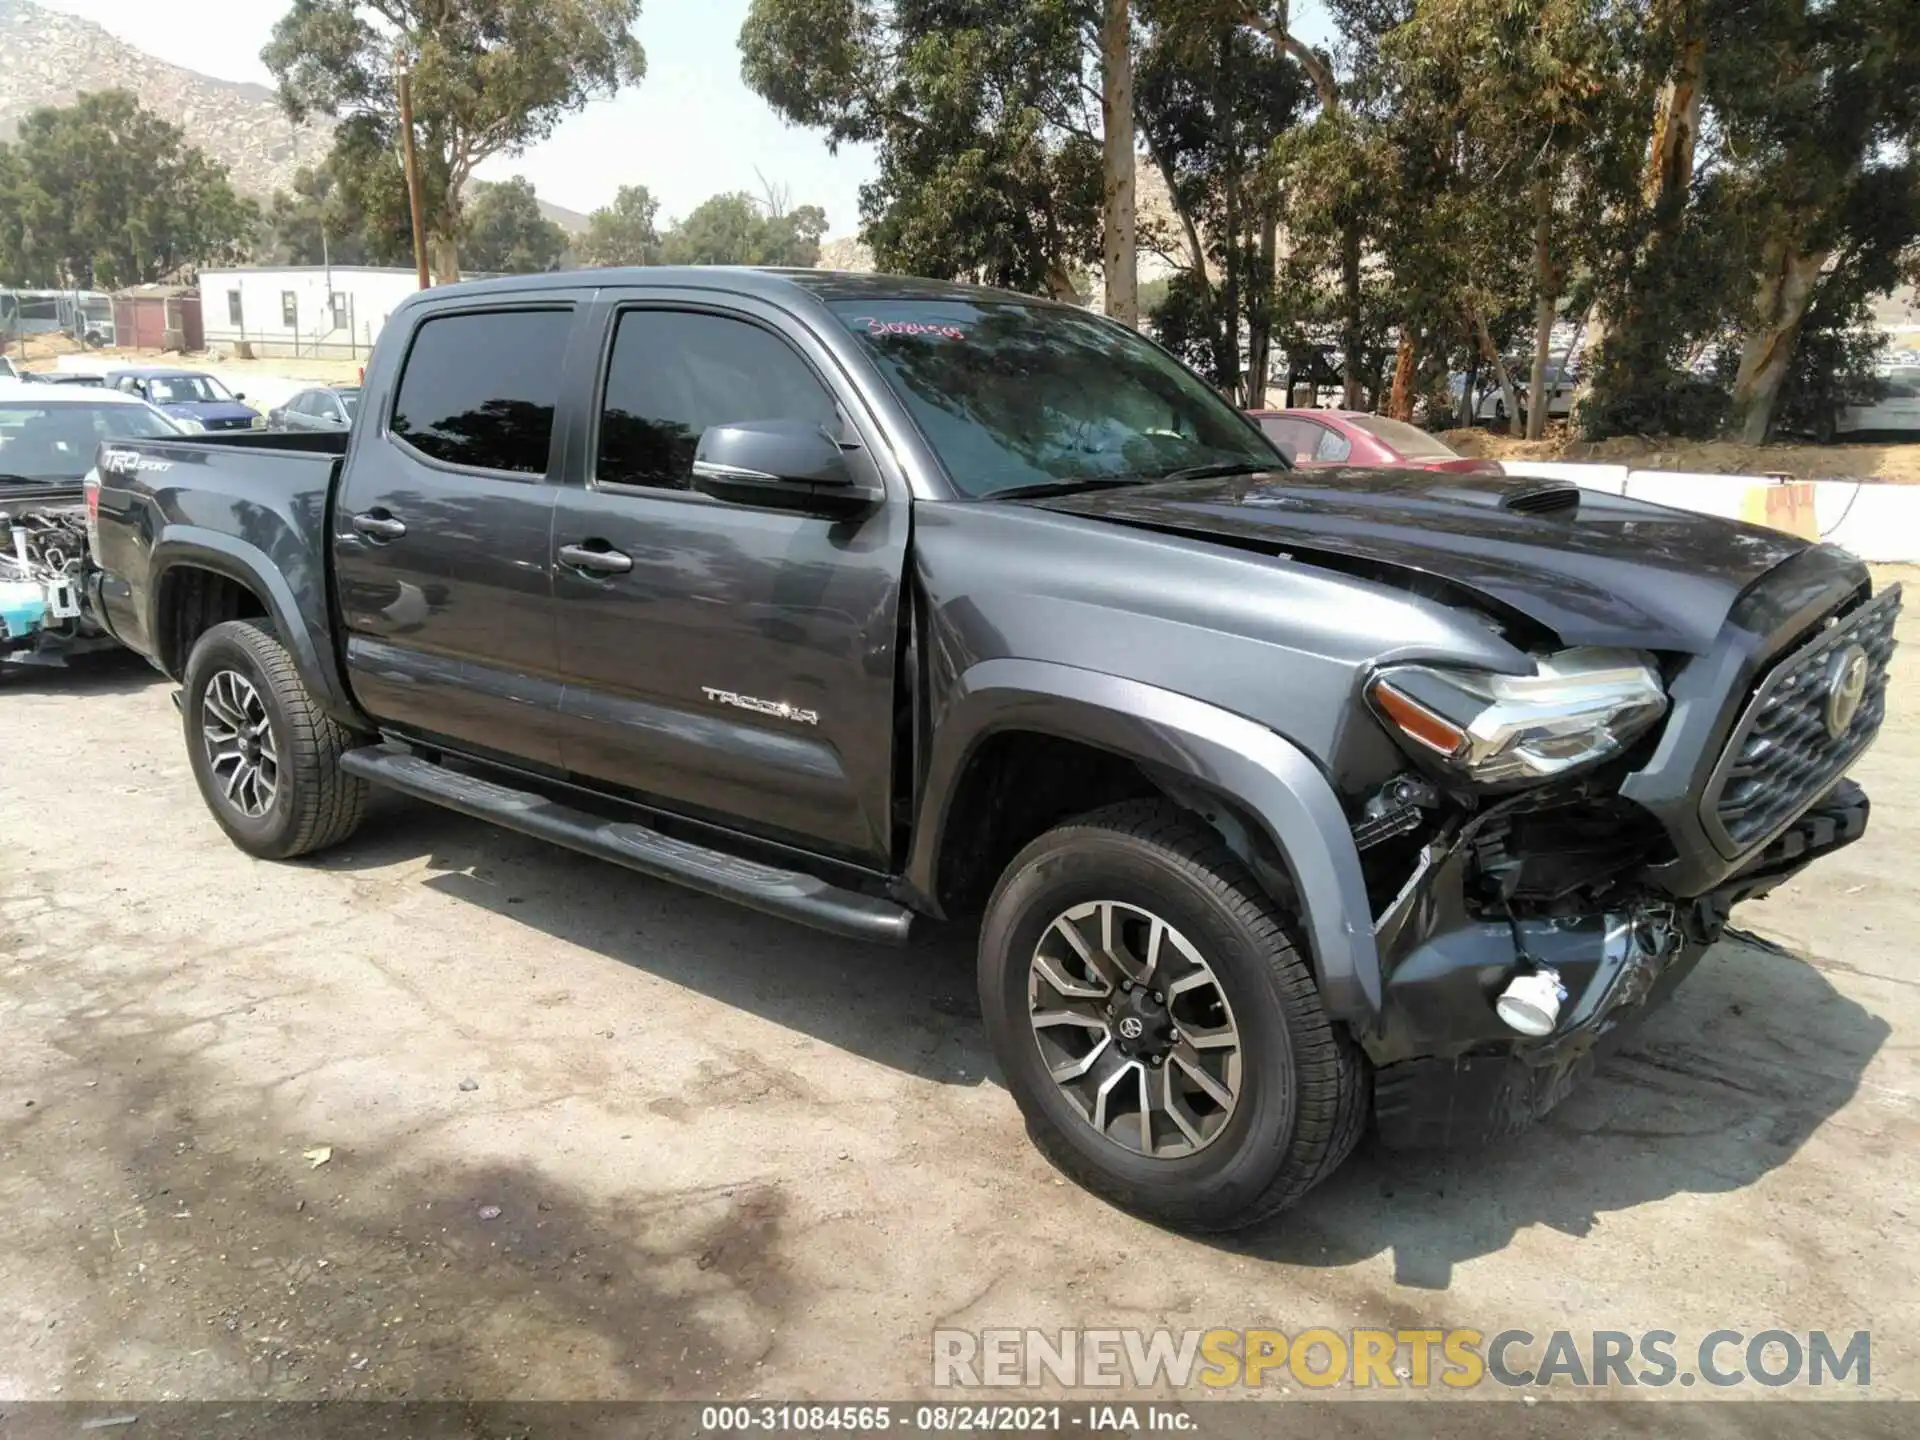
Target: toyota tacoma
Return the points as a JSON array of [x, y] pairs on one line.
[[1288, 802]]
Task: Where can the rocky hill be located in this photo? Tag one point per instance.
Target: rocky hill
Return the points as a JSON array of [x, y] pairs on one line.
[[48, 57]]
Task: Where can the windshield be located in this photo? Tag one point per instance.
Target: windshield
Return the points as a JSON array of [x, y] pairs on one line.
[[1011, 395], [349, 402], [1407, 440], [56, 442], [186, 390]]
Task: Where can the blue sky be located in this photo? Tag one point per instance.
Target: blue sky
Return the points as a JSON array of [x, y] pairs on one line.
[[690, 130]]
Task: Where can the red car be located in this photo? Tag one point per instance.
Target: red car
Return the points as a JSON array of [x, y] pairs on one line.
[[1350, 437]]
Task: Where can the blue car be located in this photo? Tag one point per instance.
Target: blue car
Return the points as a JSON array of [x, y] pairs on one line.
[[189, 395]]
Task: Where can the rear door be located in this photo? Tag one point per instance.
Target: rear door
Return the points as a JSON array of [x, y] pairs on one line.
[[441, 533], [726, 662]]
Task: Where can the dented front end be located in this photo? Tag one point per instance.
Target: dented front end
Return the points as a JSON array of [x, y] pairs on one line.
[[1522, 933]]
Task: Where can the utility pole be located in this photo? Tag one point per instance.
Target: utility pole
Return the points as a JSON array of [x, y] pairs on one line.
[[413, 176]]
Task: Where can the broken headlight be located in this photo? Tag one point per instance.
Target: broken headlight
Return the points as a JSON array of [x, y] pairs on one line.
[[1577, 708]]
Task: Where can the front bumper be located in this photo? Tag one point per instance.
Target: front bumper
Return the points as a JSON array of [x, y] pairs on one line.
[[1449, 1071]]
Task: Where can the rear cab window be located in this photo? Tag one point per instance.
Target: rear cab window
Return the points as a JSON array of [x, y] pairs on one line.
[[479, 388]]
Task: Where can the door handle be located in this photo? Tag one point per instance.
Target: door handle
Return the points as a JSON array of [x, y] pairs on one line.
[[601, 562], [378, 525]]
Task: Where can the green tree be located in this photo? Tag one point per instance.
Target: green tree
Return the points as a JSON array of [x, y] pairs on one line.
[[1813, 102], [981, 111], [1212, 105], [623, 233], [1782, 135], [505, 230], [1840, 344], [13, 232], [352, 208], [103, 193], [489, 77], [1545, 94], [736, 229]]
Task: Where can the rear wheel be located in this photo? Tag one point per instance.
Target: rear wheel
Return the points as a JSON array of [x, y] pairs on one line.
[[1157, 1025], [267, 759]]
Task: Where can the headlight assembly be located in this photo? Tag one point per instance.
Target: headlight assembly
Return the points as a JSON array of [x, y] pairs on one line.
[[1579, 707]]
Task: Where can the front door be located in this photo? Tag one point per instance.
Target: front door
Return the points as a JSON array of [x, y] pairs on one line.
[[442, 537], [726, 662]]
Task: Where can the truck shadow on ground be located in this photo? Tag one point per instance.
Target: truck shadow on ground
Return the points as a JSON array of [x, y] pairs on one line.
[[199, 1248], [913, 1009], [1755, 1053]]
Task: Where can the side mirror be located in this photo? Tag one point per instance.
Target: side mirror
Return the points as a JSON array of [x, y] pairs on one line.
[[239, 394], [778, 465]]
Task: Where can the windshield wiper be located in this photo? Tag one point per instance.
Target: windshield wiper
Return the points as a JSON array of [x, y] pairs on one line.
[[1219, 468], [1068, 487]]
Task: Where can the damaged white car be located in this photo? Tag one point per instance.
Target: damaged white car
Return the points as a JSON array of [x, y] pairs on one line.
[[48, 438]]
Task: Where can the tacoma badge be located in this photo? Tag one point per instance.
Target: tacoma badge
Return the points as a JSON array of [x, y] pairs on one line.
[[779, 709], [1846, 688]]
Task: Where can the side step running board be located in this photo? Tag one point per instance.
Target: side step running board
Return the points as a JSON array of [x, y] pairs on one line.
[[785, 893]]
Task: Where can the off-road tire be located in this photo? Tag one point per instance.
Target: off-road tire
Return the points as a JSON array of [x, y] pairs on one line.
[[1304, 1098], [316, 803]]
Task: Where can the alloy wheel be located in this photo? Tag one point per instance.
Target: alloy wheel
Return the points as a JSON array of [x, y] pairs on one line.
[[239, 738], [1135, 1028]]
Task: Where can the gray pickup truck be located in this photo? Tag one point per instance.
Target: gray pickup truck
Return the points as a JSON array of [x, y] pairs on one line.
[[1288, 803]]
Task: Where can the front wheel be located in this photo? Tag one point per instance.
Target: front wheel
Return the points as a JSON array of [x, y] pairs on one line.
[[1157, 1025], [267, 759]]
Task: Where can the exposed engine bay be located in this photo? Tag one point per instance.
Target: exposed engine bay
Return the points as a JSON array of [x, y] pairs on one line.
[[43, 563]]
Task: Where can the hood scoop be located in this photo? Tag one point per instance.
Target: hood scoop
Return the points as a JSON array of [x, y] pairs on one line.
[[1551, 497]]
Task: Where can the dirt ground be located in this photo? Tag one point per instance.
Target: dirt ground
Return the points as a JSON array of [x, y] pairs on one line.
[[451, 1113], [1864, 459]]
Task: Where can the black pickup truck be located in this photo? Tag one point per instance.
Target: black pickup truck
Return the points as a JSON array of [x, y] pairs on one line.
[[1289, 803]]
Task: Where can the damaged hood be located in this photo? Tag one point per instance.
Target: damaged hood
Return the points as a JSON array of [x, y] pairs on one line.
[[1596, 569]]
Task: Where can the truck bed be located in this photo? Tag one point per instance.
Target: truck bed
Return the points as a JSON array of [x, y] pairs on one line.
[[251, 504]]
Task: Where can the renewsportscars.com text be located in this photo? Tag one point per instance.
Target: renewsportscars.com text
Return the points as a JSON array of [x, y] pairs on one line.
[[1458, 1359]]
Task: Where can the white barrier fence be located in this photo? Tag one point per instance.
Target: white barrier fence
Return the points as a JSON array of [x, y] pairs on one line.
[[1876, 520]]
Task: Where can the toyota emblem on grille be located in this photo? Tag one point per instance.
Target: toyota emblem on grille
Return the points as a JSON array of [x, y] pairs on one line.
[[1846, 687]]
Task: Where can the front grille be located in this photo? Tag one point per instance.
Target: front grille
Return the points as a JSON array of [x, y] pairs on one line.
[[245, 423], [1782, 754]]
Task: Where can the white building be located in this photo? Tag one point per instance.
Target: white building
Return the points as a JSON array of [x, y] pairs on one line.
[[335, 311]]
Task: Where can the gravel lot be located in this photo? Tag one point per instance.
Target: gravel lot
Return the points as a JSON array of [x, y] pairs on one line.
[[451, 1113]]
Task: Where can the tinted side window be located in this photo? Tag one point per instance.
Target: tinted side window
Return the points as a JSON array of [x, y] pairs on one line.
[[480, 389], [675, 373]]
